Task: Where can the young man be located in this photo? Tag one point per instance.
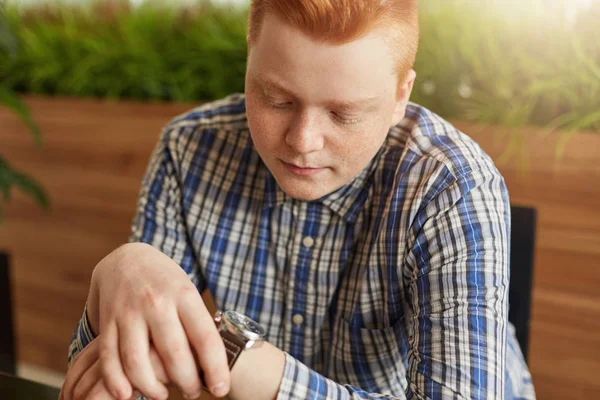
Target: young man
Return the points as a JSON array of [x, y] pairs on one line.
[[365, 235]]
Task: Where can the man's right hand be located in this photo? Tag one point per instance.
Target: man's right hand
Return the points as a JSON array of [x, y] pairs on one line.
[[139, 296]]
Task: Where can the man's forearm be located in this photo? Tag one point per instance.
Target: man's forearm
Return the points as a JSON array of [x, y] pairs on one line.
[[257, 373]]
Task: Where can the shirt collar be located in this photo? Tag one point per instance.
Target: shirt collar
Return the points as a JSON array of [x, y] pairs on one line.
[[274, 195], [346, 201]]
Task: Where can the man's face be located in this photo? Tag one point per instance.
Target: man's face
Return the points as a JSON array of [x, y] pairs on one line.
[[318, 113]]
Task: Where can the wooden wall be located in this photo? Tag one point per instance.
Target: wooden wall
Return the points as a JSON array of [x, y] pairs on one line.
[[95, 154], [565, 327], [92, 161]]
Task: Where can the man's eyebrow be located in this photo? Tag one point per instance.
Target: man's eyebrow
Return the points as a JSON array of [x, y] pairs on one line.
[[272, 84]]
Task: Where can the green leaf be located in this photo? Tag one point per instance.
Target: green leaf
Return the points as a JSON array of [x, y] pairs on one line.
[[5, 180], [12, 102], [8, 41], [32, 189], [10, 177]]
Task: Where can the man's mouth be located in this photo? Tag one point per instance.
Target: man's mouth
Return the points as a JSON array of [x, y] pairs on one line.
[[302, 170]]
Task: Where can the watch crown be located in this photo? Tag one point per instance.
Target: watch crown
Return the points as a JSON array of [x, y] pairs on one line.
[[218, 316]]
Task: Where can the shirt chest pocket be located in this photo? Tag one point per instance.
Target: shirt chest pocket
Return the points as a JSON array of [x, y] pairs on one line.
[[371, 359]]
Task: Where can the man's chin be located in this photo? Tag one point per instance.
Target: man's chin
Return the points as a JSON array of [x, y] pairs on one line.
[[305, 191], [305, 188], [305, 194]]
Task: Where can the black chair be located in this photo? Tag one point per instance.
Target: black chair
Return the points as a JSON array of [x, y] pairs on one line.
[[522, 242], [7, 341]]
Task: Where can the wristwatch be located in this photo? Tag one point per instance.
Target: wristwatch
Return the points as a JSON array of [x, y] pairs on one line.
[[239, 333]]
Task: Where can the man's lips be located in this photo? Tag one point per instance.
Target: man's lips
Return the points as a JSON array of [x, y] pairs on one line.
[[303, 171]]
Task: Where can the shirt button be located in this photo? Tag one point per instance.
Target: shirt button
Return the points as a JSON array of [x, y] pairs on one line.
[[308, 242], [298, 319]]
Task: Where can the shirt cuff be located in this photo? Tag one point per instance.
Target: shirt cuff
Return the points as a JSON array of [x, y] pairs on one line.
[[300, 382], [82, 336]]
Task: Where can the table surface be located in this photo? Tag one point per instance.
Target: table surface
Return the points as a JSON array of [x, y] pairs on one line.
[[13, 388]]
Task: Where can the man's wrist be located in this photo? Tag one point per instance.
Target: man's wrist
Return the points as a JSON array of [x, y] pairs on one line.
[[109, 261], [257, 373], [92, 307]]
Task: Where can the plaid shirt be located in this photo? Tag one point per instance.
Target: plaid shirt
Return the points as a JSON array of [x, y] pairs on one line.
[[393, 286]]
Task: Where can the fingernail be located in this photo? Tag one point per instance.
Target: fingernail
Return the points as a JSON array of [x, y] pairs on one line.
[[193, 397], [219, 390]]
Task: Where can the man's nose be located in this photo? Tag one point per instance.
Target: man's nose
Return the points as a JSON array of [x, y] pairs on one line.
[[305, 134]]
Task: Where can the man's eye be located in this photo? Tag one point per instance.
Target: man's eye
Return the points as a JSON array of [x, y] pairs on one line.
[[343, 120], [277, 104]]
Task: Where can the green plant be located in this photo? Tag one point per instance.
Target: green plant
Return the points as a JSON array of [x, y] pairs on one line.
[[10, 177], [509, 63], [151, 52]]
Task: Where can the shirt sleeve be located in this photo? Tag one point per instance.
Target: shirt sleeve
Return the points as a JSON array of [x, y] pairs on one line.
[[82, 336], [160, 216], [457, 290], [299, 382], [159, 220], [457, 293]]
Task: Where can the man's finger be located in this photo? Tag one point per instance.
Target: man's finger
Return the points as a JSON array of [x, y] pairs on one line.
[[134, 348], [206, 341], [82, 362], [172, 345], [87, 382], [114, 377], [100, 392], [135, 395], [158, 367]]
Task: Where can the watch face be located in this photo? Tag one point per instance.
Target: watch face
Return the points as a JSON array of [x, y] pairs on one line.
[[246, 325]]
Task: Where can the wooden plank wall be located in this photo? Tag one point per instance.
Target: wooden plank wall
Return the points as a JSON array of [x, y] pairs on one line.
[[95, 154], [565, 327], [92, 161]]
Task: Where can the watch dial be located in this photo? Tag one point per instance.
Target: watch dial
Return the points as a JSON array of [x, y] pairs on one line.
[[244, 323], [235, 318], [254, 327]]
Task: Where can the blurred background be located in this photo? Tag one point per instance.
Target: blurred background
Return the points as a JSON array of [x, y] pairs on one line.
[[85, 87]]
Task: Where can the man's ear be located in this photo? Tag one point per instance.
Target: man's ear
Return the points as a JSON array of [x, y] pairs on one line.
[[404, 90]]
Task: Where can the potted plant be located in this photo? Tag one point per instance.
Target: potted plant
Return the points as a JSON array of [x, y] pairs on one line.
[[10, 177]]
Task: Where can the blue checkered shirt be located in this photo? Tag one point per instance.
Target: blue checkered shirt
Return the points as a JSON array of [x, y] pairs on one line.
[[393, 286]]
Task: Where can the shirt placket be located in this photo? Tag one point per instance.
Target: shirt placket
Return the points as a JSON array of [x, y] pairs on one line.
[[305, 238]]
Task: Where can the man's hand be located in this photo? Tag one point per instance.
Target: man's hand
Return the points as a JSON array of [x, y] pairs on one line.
[[84, 378], [140, 297]]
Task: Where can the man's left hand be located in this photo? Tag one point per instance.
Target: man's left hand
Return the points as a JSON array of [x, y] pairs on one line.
[[84, 378]]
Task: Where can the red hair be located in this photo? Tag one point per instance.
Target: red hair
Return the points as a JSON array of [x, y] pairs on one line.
[[342, 21]]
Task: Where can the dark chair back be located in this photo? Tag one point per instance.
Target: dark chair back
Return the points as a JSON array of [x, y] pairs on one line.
[[7, 342], [522, 242]]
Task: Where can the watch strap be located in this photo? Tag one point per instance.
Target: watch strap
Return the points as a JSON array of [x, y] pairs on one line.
[[233, 347]]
